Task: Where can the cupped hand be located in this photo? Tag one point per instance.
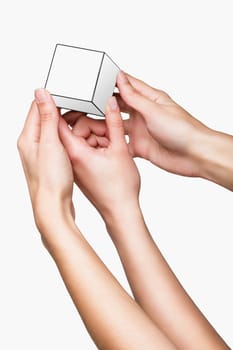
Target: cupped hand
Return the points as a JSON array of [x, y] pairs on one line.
[[159, 129], [103, 167], [46, 164]]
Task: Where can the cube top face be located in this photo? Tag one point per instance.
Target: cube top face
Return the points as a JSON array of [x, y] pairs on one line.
[[74, 72]]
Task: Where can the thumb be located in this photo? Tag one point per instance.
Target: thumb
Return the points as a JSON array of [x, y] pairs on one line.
[[114, 122], [49, 115]]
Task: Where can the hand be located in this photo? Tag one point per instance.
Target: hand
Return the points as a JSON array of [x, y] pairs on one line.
[[103, 167], [46, 165], [159, 129]]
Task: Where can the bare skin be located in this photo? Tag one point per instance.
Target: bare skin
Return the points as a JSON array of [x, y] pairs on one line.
[[168, 136], [153, 283], [164, 133], [113, 319], [159, 131]]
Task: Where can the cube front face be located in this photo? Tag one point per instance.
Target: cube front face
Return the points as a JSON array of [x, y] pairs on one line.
[[81, 79]]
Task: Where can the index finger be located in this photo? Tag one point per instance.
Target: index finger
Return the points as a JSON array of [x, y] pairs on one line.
[[143, 88]]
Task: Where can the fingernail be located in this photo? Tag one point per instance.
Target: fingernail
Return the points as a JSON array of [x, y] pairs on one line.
[[122, 77], [113, 105], [41, 95]]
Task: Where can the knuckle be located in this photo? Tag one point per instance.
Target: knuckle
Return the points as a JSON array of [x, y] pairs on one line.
[[44, 242], [46, 116], [162, 95], [21, 143], [46, 111], [117, 123]]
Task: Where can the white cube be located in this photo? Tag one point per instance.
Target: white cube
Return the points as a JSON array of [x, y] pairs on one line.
[[81, 79]]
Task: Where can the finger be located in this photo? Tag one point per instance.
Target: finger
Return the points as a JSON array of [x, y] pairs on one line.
[[103, 142], [132, 97], [76, 147], [92, 141], [86, 126], [126, 126], [115, 123], [156, 95], [144, 89], [97, 141], [49, 116], [72, 117], [31, 129], [123, 106]]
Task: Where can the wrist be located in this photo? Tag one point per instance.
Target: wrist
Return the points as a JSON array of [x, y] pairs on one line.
[[124, 208], [55, 222], [213, 153], [49, 213], [117, 207], [124, 220]]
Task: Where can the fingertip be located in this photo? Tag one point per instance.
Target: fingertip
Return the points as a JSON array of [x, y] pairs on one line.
[[112, 105], [112, 111], [41, 95], [122, 77], [132, 97], [126, 89]]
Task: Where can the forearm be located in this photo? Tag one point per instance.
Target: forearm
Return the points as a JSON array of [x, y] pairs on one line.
[[111, 316], [155, 286], [213, 151]]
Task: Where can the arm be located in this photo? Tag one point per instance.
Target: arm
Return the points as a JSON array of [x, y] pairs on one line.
[[111, 316], [214, 153], [168, 136], [154, 285]]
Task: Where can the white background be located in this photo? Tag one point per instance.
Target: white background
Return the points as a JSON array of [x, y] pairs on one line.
[[183, 47]]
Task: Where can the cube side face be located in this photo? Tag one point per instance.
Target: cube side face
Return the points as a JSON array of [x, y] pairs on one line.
[[74, 72], [77, 105], [106, 83]]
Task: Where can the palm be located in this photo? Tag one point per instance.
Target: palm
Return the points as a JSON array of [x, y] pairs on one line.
[[144, 144]]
